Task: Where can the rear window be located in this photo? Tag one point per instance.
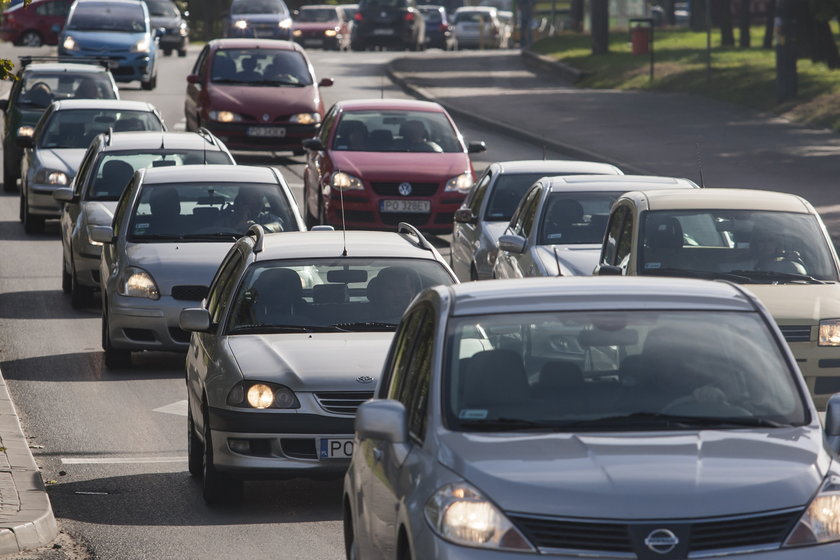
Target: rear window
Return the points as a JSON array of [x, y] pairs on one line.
[[105, 16], [381, 4], [41, 88], [76, 128], [315, 15]]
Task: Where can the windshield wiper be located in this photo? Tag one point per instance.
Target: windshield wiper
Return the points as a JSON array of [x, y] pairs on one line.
[[277, 83], [265, 328], [504, 424], [213, 236], [365, 326], [733, 276], [658, 419], [773, 275]]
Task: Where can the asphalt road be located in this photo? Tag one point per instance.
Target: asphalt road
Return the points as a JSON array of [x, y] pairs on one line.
[[112, 446]]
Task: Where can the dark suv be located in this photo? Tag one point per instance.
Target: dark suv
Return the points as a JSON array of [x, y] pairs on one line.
[[388, 23], [40, 81]]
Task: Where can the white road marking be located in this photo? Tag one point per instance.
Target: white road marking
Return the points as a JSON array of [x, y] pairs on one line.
[[179, 408], [119, 460]]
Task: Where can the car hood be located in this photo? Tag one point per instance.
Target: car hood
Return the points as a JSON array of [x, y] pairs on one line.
[[642, 475], [106, 40], [410, 166], [178, 264], [167, 22], [98, 212], [61, 159], [313, 361], [259, 100], [797, 303], [575, 260]]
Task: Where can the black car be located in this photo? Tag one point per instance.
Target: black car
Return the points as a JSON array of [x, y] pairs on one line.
[[388, 23], [165, 15], [438, 30], [39, 82]]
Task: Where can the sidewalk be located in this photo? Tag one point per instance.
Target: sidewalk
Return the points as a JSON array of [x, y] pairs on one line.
[[641, 132]]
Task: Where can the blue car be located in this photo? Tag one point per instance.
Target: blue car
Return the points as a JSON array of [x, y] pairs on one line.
[[264, 19], [116, 30]]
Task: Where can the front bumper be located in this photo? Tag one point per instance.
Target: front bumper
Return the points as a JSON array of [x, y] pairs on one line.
[[86, 264], [262, 31], [247, 135], [820, 365], [144, 324], [124, 66], [173, 41], [40, 201]]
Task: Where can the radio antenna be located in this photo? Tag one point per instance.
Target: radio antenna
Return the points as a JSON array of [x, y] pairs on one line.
[[543, 147], [700, 162], [557, 260], [343, 223]]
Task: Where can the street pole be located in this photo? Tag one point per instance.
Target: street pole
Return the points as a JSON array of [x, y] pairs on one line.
[[600, 22], [785, 31]]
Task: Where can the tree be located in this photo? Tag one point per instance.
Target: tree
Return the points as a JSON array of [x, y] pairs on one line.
[[600, 21], [744, 20], [723, 16], [7, 67]]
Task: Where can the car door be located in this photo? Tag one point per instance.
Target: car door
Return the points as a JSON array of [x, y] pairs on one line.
[[50, 19], [318, 169], [69, 221], [466, 236], [195, 90]]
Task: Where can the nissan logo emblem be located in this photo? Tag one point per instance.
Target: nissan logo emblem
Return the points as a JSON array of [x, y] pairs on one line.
[[661, 541], [364, 379], [266, 117], [405, 189]]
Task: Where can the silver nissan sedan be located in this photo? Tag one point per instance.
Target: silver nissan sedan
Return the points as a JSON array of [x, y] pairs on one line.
[[583, 418]]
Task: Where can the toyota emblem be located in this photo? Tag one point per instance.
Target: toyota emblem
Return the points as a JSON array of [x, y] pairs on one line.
[[405, 189], [266, 117], [661, 541], [364, 379]]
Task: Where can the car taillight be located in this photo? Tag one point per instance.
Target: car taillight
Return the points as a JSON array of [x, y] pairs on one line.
[[409, 16], [444, 27], [358, 16]]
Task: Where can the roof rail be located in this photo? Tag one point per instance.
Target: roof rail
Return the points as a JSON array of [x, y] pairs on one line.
[[405, 227], [206, 134], [28, 59], [257, 231]]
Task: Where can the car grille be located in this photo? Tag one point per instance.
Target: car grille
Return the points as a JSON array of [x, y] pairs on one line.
[[396, 218], [342, 402], [189, 293], [610, 538], [393, 188], [179, 335], [796, 333], [264, 29]]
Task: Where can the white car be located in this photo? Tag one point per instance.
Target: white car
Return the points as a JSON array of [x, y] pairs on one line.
[[478, 27]]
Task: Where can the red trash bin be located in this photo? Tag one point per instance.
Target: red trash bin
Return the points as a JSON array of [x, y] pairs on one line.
[[640, 39]]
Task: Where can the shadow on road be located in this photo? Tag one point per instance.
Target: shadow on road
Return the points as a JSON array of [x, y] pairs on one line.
[[90, 366]]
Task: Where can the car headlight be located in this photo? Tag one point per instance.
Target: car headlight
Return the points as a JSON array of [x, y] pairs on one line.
[[256, 394], [306, 118], [285, 23], [829, 334], [51, 177], [240, 24], [182, 29], [141, 46], [224, 116], [297, 32], [344, 181], [138, 283], [330, 32], [821, 521], [462, 183], [70, 44], [462, 515], [26, 130]]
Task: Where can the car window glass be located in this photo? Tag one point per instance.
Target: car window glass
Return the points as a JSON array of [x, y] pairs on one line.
[[316, 15], [108, 16], [114, 169], [198, 68], [218, 297], [40, 88], [52, 8], [333, 295], [364, 4], [506, 193], [625, 241], [123, 208], [575, 218], [85, 167], [258, 7], [162, 8], [478, 192], [406, 338], [327, 127], [522, 210], [415, 390], [396, 131], [529, 213], [77, 127], [281, 67], [614, 228]]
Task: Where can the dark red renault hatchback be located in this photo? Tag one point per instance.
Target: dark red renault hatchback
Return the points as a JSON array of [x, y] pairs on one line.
[[386, 161], [255, 94]]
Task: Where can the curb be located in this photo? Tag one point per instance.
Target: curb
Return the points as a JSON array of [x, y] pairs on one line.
[[26, 515], [567, 149], [548, 65]]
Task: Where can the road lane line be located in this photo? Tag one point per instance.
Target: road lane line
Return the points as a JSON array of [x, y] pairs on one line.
[[119, 460]]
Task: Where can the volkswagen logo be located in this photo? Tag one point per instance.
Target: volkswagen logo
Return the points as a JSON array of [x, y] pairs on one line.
[[266, 117], [661, 541], [405, 189], [364, 379]]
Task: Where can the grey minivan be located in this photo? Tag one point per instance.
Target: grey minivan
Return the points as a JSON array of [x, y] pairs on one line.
[[592, 418]]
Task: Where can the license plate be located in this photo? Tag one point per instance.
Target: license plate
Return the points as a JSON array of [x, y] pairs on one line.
[[113, 64], [308, 42], [335, 448], [266, 131], [408, 206], [383, 31]]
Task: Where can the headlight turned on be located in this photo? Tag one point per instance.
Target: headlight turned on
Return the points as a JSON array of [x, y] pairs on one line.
[[260, 395]]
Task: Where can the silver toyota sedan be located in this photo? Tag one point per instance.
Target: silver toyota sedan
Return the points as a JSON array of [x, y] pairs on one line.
[[487, 210], [583, 418], [172, 227]]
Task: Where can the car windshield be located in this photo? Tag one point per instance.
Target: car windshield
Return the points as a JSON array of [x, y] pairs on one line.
[[39, 89], [618, 371], [258, 7], [473, 17], [108, 16], [335, 294], [741, 245], [396, 131], [267, 67], [77, 127], [508, 190], [318, 15], [114, 169], [205, 211], [575, 218], [363, 4], [162, 8]]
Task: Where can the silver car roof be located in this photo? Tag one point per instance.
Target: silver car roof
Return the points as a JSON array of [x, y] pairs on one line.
[[216, 173], [626, 182], [550, 166], [125, 104], [325, 244], [153, 139]]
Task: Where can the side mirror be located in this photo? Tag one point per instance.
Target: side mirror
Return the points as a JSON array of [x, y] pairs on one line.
[[326, 82], [4, 105], [832, 423], [64, 194], [383, 420], [102, 234], [160, 32], [465, 216], [25, 141], [476, 147], [193, 79], [313, 144], [194, 319], [512, 243], [607, 270]]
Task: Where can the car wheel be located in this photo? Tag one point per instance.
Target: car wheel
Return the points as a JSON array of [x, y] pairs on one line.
[[30, 39], [150, 84], [217, 487], [80, 296], [115, 358], [9, 173], [66, 279], [31, 222], [351, 547], [167, 52], [182, 52], [195, 448]]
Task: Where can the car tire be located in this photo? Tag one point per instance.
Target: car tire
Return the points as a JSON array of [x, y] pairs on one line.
[[195, 448], [30, 38], [167, 52], [66, 279], [150, 84], [217, 487], [182, 53], [31, 222], [10, 176], [115, 358], [351, 547], [80, 296]]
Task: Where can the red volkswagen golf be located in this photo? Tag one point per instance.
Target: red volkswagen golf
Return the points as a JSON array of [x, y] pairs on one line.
[[386, 161], [255, 94]]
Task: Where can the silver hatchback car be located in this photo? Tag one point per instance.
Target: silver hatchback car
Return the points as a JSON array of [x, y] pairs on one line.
[[628, 418], [172, 227]]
